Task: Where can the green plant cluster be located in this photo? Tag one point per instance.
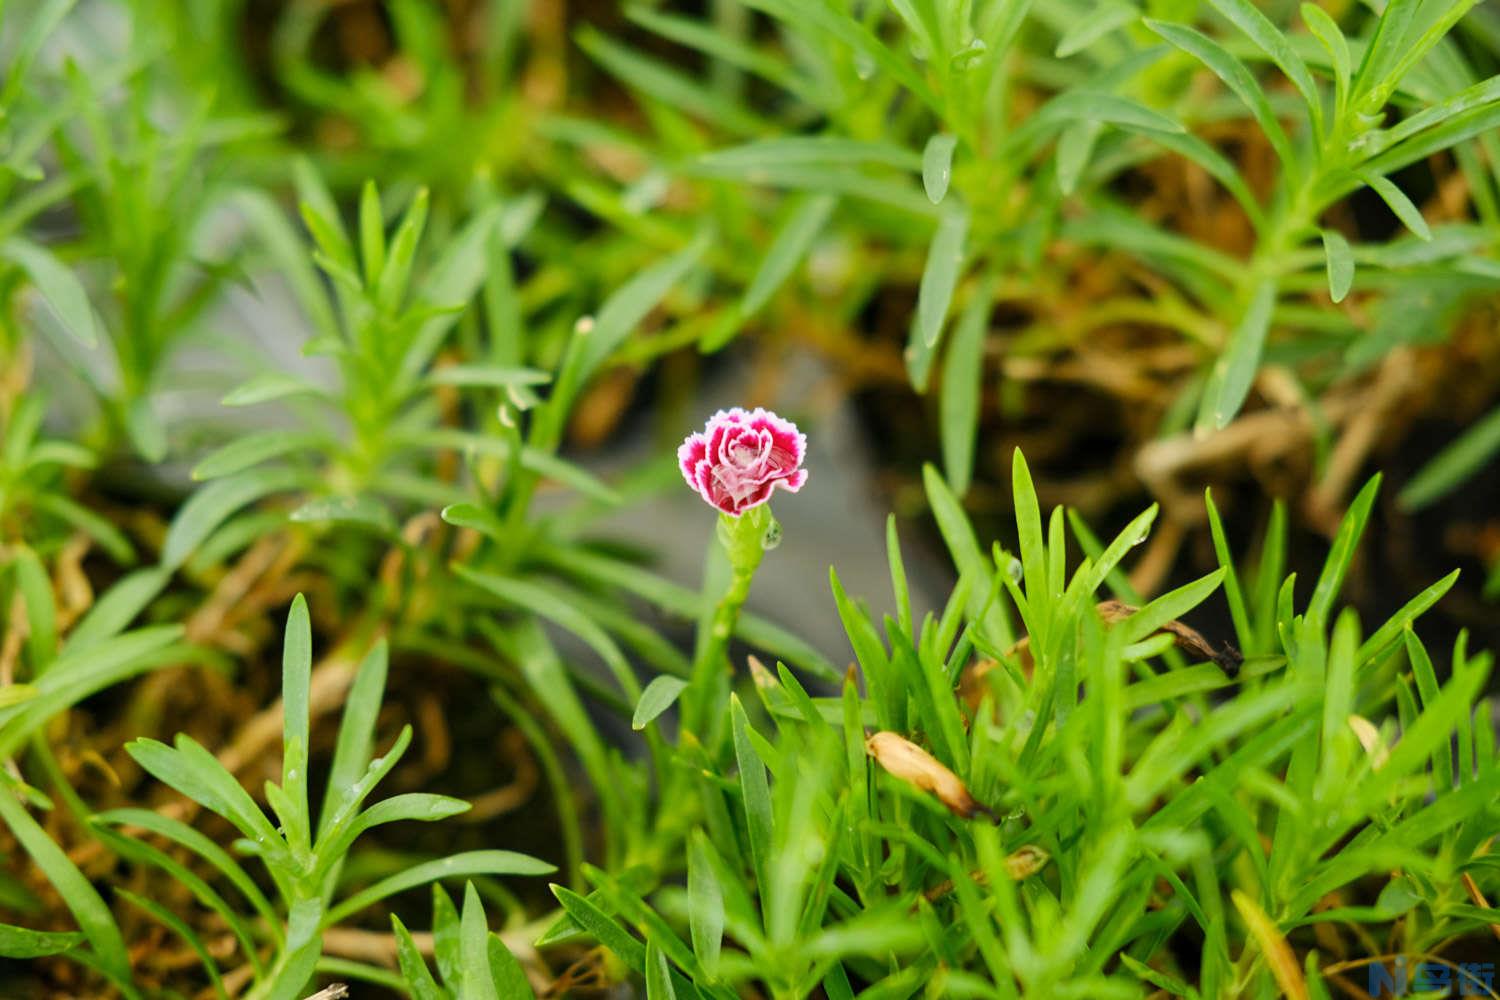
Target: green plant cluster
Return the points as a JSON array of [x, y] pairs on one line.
[[463, 260]]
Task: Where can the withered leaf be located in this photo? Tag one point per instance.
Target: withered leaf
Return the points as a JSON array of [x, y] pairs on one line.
[[905, 760]]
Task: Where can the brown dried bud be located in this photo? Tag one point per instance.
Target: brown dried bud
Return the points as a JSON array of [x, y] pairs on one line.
[[905, 760]]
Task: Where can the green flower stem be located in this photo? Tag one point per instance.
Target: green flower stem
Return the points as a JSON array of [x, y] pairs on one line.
[[745, 539]]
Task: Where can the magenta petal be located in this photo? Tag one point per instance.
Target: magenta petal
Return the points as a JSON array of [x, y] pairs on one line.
[[794, 482], [689, 454], [741, 457]]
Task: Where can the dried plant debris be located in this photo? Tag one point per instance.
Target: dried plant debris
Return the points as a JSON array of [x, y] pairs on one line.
[[905, 760], [972, 686], [1024, 862]]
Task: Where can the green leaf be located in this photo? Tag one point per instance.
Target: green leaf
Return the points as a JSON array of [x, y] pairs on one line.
[[623, 311], [1074, 147], [970, 561], [356, 739], [362, 509], [1235, 370], [296, 685], [1170, 606], [179, 832], [1386, 47], [602, 928], [768, 154], [1340, 263], [658, 974], [74, 888], [34, 586], [1427, 687], [963, 378], [1399, 203], [705, 903], [371, 232], [1235, 76], [447, 946], [211, 505], [269, 386], [452, 280], [413, 969], [477, 983], [304, 945], [509, 978], [790, 246], [1452, 466], [656, 699], [453, 866], [489, 376], [57, 285], [755, 794], [182, 929], [937, 166], [395, 276], [1388, 633], [1103, 19], [666, 85], [76, 674], [251, 450], [195, 772], [945, 257], [1269, 39], [145, 429], [22, 942], [1233, 594], [1341, 554], [1327, 32]]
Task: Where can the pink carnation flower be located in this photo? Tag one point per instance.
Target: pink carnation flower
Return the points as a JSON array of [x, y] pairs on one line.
[[741, 457]]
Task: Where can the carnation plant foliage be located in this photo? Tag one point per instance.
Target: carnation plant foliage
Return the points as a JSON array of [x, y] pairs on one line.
[[327, 668]]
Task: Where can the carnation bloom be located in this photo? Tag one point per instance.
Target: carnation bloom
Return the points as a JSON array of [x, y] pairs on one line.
[[741, 456]]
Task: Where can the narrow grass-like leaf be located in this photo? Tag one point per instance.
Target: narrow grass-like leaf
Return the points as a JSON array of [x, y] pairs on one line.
[[1235, 370], [1340, 264], [1235, 75], [413, 969], [963, 377], [1270, 40], [477, 983], [182, 929], [937, 166], [251, 450], [1232, 592], [658, 974], [211, 505], [1341, 554], [945, 255], [1399, 204], [76, 891], [356, 738], [790, 246], [1392, 630], [23, 942], [1171, 606], [705, 903], [754, 792], [57, 285], [1427, 687], [459, 865], [1105, 18], [656, 699], [1454, 464]]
